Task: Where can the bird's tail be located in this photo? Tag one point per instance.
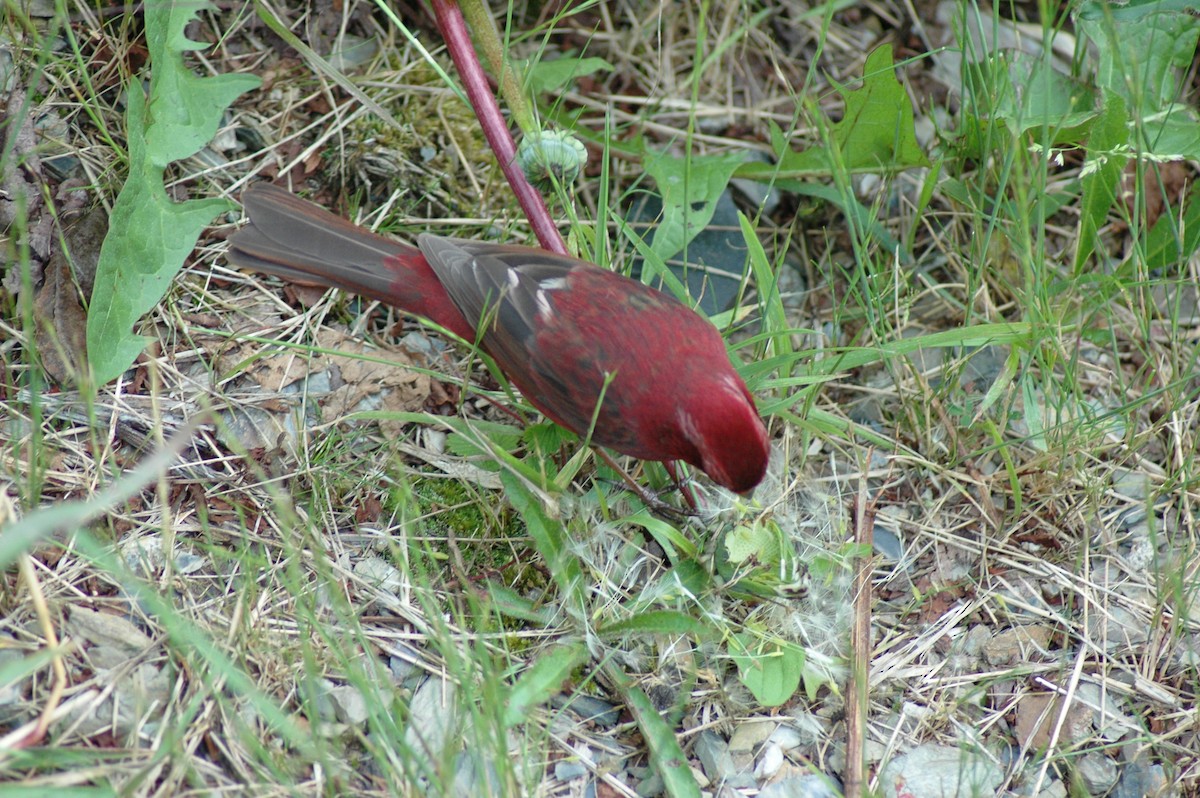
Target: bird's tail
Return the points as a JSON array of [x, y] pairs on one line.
[[299, 241], [304, 243]]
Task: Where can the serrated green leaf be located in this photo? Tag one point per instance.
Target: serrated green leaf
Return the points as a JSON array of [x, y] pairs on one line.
[[185, 109], [547, 437], [1173, 240], [746, 541], [876, 133], [149, 236], [1022, 94], [504, 436], [877, 130], [1173, 135], [689, 578]]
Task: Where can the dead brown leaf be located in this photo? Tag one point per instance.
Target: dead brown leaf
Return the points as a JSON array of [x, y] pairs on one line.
[[61, 332], [363, 378], [400, 388], [1037, 715], [21, 188], [1161, 188]]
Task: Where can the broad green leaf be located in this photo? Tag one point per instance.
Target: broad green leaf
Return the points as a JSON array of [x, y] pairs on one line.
[[1172, 135], [877, 130], [543, 76], [770, 670], [185, 109], [504, 436], [655, 622], [1143, 49], [1172, 241], [789, 163], [876, 133], [689, 578], [1024, 93], [1107, 154], [547, 437], [542, 681], [752, 541]]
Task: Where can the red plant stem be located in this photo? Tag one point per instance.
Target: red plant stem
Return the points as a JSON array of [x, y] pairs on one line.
[[487, 110]]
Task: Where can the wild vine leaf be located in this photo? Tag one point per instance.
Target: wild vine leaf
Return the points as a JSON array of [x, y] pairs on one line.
[[876, 132], [690, 188]]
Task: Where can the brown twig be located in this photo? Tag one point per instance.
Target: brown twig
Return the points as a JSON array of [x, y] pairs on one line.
[[652, 502], [685, 489], [860, 642], [458, 42], [59, 686]]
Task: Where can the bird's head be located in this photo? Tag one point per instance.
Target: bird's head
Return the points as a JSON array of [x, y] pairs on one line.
[[729, 436]]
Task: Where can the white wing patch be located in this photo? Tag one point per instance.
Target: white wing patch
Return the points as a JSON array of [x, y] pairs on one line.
[[545, 309]]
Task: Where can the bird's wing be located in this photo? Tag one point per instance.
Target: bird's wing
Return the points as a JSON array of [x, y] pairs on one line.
[[508, 293], [504, 287]]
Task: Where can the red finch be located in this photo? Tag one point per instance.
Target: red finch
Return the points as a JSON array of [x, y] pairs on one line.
[[559, 327]]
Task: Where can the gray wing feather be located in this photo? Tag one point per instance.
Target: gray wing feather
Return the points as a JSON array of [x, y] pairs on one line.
[[499, 285]]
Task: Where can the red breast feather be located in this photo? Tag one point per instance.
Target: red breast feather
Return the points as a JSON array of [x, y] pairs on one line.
[[567, 333]]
